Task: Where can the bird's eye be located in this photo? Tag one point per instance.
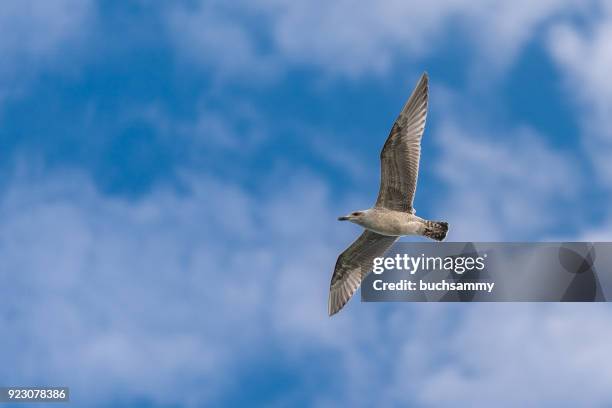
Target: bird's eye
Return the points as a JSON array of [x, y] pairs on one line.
[[356, 213]]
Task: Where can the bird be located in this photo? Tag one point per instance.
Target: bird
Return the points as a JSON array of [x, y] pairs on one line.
[[393, 214]]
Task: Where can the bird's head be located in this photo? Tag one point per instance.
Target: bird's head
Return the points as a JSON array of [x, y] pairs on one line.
[[355, 216]]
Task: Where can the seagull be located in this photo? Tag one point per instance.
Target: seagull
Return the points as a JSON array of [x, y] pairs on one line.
[[393, 214]]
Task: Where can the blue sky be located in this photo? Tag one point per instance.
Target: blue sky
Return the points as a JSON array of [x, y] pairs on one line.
[[171, 174]]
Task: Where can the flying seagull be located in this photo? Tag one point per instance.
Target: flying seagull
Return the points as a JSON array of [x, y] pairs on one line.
[[393, 214]]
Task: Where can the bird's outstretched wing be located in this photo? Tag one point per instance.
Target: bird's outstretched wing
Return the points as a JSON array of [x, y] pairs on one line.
[[353, 265], [399, 158]]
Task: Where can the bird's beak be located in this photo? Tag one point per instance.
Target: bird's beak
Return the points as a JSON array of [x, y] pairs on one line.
[[343, 218]]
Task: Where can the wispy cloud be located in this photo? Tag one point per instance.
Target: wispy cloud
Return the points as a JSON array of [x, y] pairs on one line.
[[36, 34], [509, 355], [215, 36], [173, 296], [585, 59], [150, 295], [342, 38], [500, 184]]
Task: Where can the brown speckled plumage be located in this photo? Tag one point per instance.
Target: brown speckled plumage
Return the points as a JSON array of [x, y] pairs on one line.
[[393, 215]]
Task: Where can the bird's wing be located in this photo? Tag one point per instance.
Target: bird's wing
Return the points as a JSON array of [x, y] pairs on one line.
[[399, 158], [353, 265]]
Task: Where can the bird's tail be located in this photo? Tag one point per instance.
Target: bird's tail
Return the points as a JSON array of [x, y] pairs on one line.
[[436, 230]]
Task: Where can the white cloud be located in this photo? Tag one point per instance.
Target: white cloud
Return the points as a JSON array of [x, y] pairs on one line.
[[38, 33], [585, 60], [504, 190], [599, 232], [509, 355], [180, 291], [354, 39], [116, 297], [211, 36], [169, 298], [511, 186], [237, 127]]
